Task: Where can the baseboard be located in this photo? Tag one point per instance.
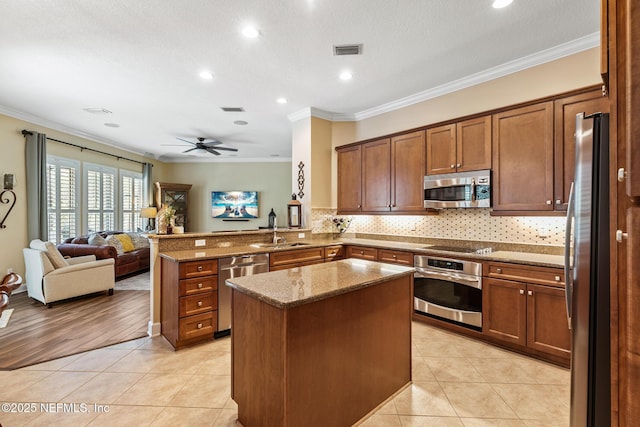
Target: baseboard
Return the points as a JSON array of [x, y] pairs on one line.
[[154, 329]]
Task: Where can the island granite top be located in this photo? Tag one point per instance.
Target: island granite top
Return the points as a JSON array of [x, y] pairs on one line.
[[302, 285]]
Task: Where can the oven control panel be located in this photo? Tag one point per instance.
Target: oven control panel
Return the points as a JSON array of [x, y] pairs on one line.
[[442, 263]]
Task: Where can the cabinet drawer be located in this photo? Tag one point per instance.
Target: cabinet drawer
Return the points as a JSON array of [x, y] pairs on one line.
[[395, 257], [364, 253], [525, 273], [294, 265], [334, 253], [198, 268], [198, 285], [196, 304], [198, 325], [296, 257]]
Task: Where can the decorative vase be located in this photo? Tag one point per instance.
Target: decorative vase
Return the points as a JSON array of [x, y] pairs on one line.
[[169, 229]]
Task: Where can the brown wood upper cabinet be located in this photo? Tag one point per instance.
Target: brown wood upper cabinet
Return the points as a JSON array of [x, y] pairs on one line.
[[385, 175], [523, 159], [459, 147], [350, 179], [565, 111]]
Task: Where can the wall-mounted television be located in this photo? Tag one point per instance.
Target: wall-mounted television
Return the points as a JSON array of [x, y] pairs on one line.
[[234, 204]]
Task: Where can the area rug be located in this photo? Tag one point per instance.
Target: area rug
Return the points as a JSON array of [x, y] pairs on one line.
[[139, 282], [39, 334]]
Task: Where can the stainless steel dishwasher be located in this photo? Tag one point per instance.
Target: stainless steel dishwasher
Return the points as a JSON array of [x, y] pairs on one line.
[[237, 266]]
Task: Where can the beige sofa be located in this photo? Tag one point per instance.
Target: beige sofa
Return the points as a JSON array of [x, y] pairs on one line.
[[50, 277]]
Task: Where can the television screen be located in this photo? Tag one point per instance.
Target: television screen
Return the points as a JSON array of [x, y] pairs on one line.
[[234, 204]]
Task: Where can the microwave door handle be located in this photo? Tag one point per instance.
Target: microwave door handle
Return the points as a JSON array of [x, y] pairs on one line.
[[473, 189]]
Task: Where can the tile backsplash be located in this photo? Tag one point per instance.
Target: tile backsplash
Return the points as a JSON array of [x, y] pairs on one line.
[[455, 224]]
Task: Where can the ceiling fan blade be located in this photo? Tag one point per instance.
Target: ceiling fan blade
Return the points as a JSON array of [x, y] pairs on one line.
[[213, 143], [226, 149], [212, 151], [191, 149], [192, 143]]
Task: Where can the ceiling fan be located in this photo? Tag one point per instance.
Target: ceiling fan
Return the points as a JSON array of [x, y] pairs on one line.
[[212, 146]]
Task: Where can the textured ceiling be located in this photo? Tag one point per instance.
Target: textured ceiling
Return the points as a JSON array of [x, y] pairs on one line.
[[141, 60]]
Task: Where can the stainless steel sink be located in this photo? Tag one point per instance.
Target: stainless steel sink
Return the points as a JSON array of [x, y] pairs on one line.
[[278, 245]]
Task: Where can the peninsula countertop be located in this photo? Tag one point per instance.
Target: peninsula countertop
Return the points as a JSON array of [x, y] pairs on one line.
[[302, 285]]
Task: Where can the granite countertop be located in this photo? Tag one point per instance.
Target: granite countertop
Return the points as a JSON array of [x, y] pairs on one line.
[[516, 257], [302, 285]]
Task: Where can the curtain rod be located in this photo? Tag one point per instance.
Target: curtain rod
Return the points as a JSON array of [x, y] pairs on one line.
[[26, 132]]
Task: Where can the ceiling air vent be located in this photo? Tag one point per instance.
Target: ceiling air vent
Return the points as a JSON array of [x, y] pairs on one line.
[[347, 49], [232, 109]]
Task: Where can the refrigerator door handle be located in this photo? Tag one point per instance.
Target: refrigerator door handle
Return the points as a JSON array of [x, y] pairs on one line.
[[568, 239]]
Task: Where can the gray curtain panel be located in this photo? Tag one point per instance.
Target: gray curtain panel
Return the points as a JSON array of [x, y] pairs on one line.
[[36, 159], [147, 185]]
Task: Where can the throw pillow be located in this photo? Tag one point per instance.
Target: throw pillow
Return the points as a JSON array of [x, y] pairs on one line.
[[139, 241], [112, 240], [127, 244], [38, 245], [96, 239], [55, 256]]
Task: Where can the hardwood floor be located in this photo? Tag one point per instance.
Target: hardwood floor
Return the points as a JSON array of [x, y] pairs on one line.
[[37, 334]]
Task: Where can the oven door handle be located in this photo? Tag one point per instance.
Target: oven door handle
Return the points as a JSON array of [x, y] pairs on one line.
[[472, 281]]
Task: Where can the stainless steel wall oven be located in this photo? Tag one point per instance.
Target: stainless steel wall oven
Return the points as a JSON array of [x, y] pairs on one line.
[[449, 289]]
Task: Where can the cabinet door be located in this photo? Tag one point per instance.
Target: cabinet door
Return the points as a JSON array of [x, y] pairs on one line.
[[473, 144], [350, 179], [565, 142], [523, 159], [504, 310], [441, 149], [407, 172], [376, 176], [547, 323]]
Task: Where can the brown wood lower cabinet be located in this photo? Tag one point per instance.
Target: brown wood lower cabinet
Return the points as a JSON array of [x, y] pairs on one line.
[[295, 258], [395, 257], [189, 301], [362, 252], [525, 306]]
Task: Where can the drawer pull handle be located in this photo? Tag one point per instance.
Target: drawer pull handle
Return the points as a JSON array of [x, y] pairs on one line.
[[499, 270], [199, 285], [199, 268], [199, 303], [199, 325]]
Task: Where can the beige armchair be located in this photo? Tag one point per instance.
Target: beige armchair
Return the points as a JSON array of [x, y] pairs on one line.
[[50, 277]]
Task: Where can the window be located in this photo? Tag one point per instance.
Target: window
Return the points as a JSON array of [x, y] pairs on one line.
[[63, 208], [100, 197], [131, 197]]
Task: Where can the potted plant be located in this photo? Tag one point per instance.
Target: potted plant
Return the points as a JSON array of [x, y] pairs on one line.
[[169, 215]]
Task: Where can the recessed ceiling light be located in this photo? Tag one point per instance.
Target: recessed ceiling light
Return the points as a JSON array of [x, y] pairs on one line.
[[97, 110], [250, 32], [240, 123], [346, 75], [281, 100], [499, 4], [207, 75], [112, 125]]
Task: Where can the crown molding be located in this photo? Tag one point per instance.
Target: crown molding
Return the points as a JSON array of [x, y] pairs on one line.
[[538, 58], [308, 112]]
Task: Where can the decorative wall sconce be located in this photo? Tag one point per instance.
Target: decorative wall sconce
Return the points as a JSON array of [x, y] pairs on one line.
[[294, 212], [8, 196]]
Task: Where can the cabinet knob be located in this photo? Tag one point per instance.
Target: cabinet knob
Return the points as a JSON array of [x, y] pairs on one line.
[[499, 270], [361, 252], [557, 278], [395, 256], [452, 166], [521, 291], [530, 293], [199, 285], [621, 235], [622, 174], [199, 326], [359, 206], [558, 202], [199, 303], [549, 202], [199, 268], [459, 165]]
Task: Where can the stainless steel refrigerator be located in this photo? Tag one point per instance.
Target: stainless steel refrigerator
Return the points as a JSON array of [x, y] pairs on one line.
[[587, 274]]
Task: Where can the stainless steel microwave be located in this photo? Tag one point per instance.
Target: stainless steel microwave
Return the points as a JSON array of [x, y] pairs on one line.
[[458, 190]]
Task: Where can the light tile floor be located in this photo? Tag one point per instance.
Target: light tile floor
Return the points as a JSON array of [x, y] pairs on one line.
[[456, 382]]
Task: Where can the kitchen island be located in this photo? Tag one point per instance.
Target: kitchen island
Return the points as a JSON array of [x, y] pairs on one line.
[[320, 345]]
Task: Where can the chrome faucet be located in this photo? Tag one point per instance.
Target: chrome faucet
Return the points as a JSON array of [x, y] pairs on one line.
[[275, 236]]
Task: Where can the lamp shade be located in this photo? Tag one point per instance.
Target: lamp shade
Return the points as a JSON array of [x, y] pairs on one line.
[[148, 212]]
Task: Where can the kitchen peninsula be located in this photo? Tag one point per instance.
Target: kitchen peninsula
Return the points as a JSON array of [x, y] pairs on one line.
[[320, 345]]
